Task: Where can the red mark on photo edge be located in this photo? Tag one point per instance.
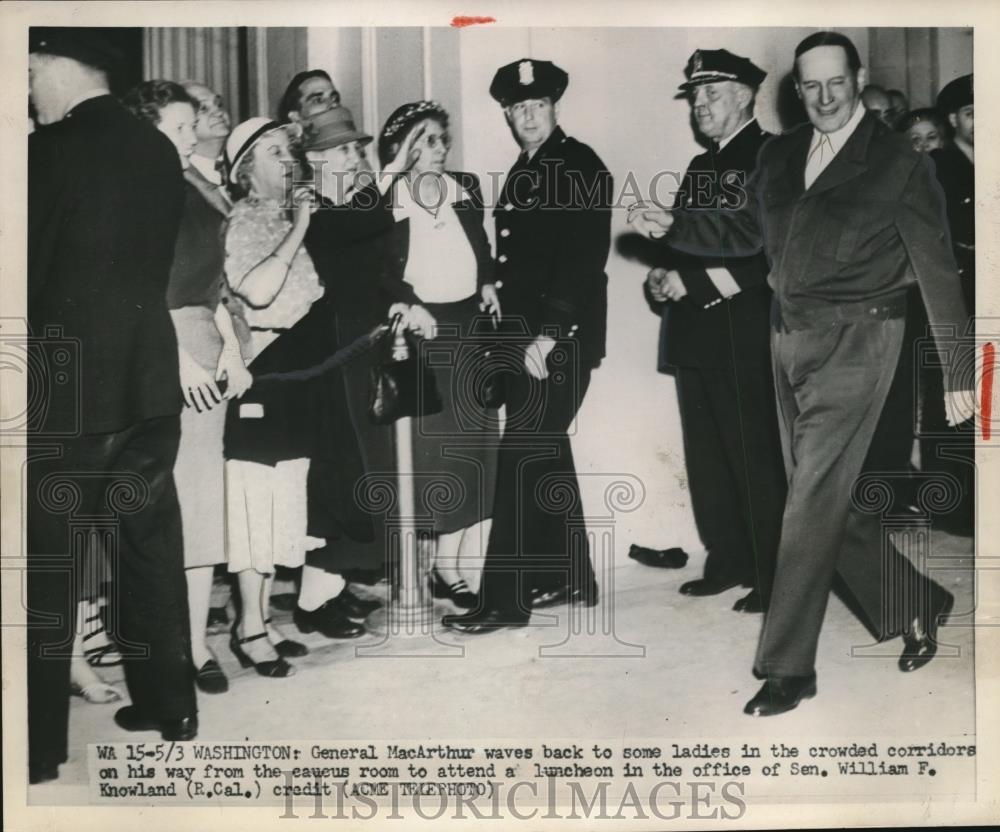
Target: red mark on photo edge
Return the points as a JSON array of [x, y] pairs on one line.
[[463, 20], [986, 390]]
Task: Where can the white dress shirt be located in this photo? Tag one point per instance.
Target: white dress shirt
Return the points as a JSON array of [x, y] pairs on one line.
[[206, 167], [825, 146]]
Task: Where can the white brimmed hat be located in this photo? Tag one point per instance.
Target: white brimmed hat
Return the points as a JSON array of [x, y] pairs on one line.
[[243, 138]]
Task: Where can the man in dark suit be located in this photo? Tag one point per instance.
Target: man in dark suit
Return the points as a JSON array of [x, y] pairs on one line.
[[553, 224], [850, 217], [104, 203], [715, 338]]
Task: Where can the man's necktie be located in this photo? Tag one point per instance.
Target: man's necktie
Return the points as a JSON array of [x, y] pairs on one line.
[[819, 157]]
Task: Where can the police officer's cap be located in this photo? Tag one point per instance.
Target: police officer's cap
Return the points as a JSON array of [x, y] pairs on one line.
[[955, 95], [707, 66], [528, 78], [86, 45]]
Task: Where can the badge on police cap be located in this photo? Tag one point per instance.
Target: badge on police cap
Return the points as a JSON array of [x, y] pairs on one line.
[[528, 78], [707, 66]]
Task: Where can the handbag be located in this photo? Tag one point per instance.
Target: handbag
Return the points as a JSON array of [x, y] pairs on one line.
[[400, 386]]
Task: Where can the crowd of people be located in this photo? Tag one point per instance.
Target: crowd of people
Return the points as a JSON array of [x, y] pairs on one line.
[[226, 285]]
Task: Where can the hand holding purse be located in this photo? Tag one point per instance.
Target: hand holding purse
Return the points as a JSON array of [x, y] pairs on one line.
[[400, 385]]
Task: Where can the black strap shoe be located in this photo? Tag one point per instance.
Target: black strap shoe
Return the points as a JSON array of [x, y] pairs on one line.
[[271, 668], [328, 620], [780, 694], [479, 622], [920, 642], [673, 558], [288, 649], [175, 729]]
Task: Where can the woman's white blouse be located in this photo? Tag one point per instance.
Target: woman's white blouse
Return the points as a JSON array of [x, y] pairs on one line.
[[440, 265]]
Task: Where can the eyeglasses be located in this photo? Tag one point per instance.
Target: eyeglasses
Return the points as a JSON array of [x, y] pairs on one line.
[[435, 140]]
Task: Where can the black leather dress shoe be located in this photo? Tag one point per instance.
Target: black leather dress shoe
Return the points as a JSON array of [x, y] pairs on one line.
[[475, 623], [751, 602], [780, 694], [351, 606], [920, 643], [327, 619], [673, 558], [42, 772], [563, 595], [706, 586], [179, 729]]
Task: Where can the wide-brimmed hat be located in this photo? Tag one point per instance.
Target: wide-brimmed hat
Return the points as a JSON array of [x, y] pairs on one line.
[[244, 136], [331, 128]]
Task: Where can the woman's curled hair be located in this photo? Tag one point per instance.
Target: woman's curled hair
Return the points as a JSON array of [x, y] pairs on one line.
[[145, 100]]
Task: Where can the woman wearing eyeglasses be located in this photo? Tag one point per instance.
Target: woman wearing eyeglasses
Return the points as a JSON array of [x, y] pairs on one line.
[[439, 262]]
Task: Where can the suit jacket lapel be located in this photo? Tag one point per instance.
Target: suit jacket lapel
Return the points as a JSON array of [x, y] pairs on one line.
[[209, 191], [849, 163]]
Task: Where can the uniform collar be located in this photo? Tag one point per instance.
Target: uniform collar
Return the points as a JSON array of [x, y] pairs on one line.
[[557, 136], [736, 132], [99, 92]]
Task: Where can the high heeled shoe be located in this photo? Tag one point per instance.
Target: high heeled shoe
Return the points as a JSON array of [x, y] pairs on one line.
[[274, 668], [286, 648], [458, 593]]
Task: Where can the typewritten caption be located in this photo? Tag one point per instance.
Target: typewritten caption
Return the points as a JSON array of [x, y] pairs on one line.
[[662, 778]]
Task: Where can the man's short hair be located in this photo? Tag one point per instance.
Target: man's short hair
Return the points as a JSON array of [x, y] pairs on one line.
[[827, 38], [291, 100]]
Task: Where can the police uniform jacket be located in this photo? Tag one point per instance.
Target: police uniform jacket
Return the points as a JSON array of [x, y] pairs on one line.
[[703, 329], [553, 235]]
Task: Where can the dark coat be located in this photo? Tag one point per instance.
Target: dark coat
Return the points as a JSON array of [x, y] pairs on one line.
[[105, 195], [470, 214], [553, 223], [957, 176], [871, 225], [700, 331]]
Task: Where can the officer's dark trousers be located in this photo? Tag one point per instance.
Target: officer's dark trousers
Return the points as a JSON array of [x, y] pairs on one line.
[[832, 384], [114, 490], [735, 473], [538, 537]]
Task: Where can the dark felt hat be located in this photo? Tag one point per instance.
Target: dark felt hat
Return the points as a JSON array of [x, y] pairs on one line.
[[955, 95], [87, 45], [331, 128], [528, 78], [706, 66]]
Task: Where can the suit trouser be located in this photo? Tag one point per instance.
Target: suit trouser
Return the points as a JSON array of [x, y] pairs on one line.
[[831, 385], [732, 449], [538, 538], [118, 486]]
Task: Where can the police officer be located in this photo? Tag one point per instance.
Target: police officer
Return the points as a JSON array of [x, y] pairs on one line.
[[715, 339], [553, 234]]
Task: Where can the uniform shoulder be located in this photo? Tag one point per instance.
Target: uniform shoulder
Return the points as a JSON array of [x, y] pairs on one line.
[[583, 154]]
